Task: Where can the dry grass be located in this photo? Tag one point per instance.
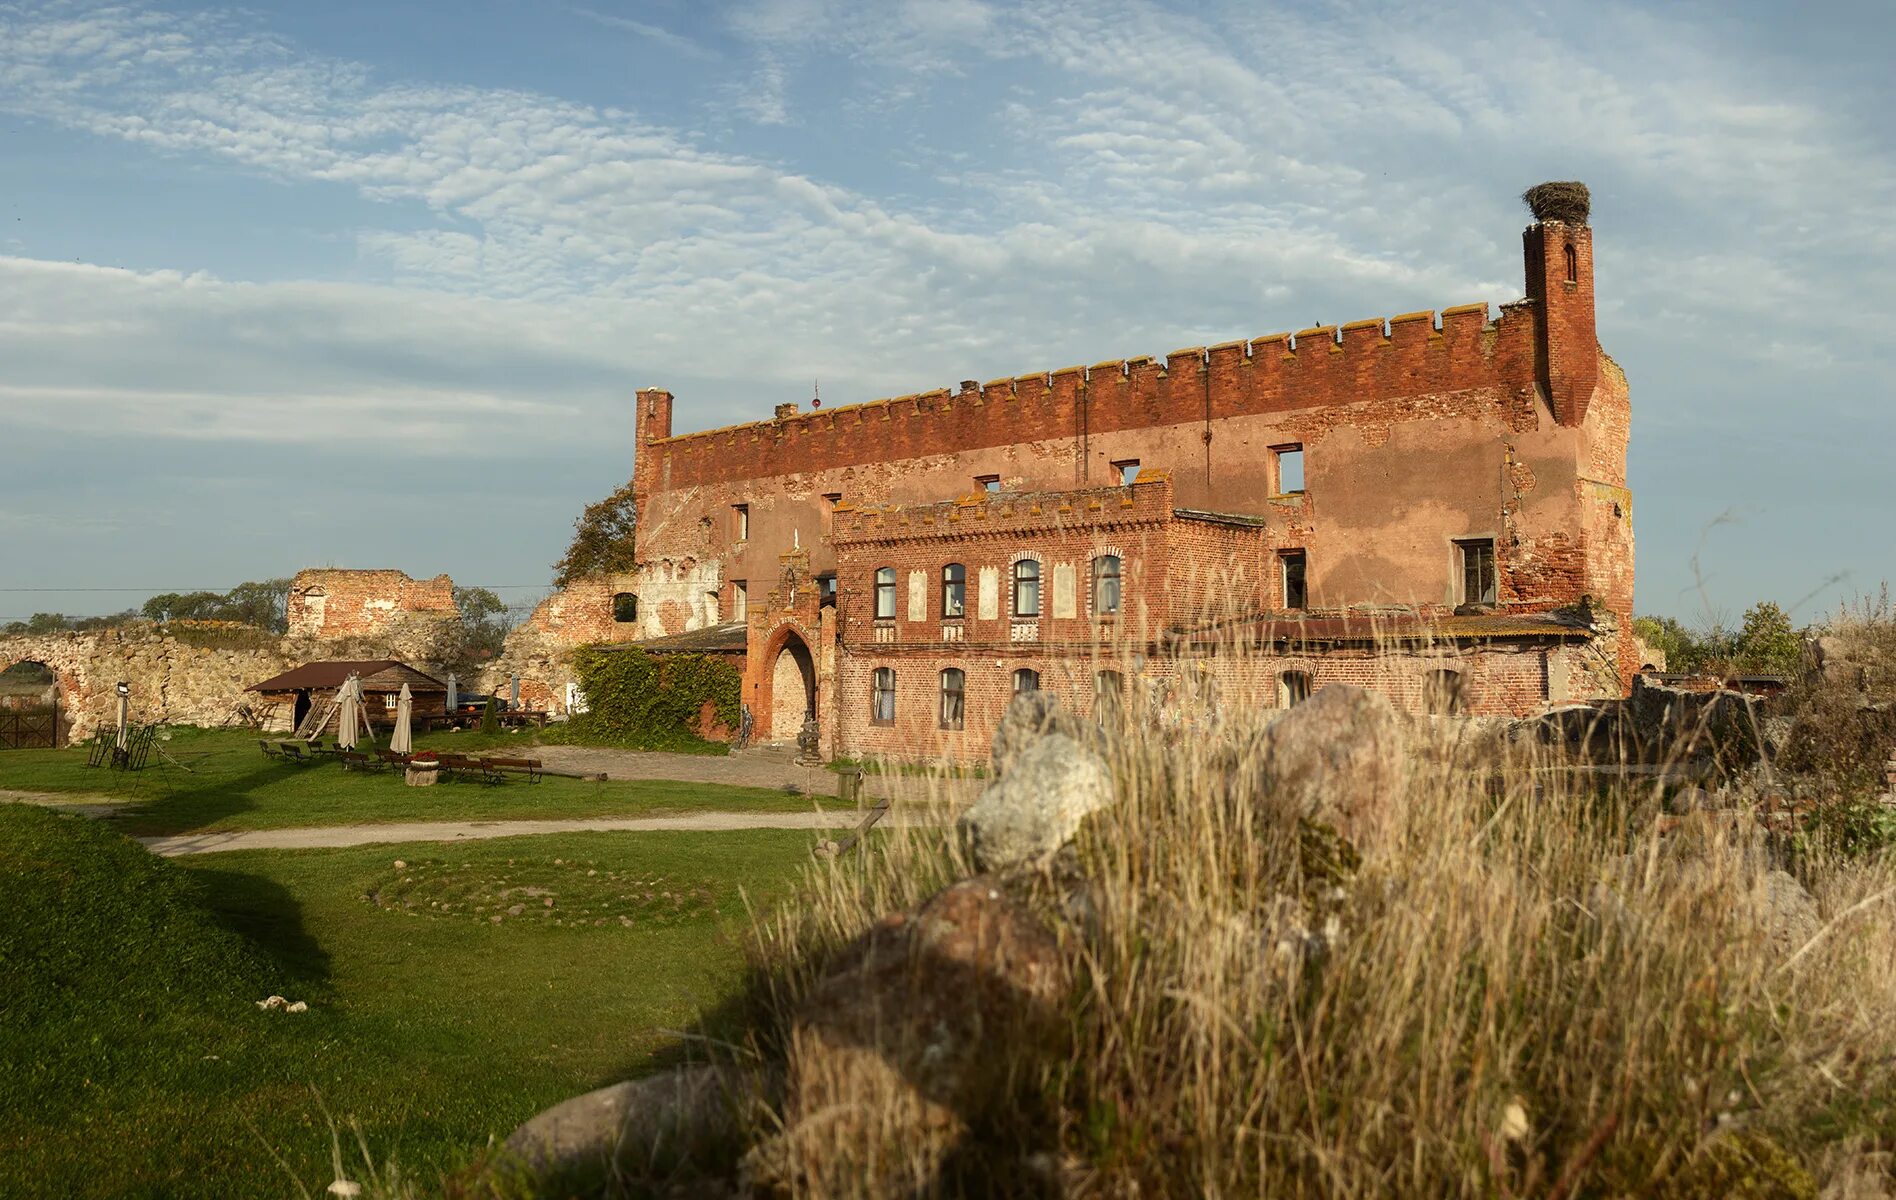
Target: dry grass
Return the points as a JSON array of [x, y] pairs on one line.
[[1524, 992]]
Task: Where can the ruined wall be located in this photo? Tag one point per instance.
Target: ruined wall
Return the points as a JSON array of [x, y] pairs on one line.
[[188, 680], [415, 619]]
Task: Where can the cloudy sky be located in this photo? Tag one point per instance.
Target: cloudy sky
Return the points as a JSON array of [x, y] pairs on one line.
[[362, 284]]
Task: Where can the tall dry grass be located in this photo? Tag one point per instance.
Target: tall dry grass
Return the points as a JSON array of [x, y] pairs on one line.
[[1523, 990]]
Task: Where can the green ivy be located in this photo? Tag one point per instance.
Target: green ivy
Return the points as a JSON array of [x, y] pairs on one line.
[[652, 701]]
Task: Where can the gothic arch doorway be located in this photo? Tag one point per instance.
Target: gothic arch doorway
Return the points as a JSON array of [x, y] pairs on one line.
[[789, 688]]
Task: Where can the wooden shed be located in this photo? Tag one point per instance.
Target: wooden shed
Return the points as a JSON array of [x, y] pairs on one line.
[[295, 692]]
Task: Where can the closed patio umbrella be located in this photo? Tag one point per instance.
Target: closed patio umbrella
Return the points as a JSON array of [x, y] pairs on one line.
[[403, 740], [454, 692], [350, 720]]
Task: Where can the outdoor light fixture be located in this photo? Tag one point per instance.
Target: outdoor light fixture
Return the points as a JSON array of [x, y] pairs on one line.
[[124, 688]]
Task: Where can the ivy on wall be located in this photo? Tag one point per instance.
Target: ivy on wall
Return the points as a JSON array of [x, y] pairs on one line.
[[652, 701]]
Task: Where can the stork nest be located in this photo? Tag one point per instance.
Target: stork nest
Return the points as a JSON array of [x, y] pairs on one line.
[[1566, 200]]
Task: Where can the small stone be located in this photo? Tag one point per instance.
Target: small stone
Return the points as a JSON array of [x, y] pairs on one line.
[[1514, 1120], [345, 1187], [516, 909], [400, 865], [299, 1006], [549, 902]]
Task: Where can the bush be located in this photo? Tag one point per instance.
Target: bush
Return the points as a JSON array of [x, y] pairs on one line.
[[490, 717], [652, 701]]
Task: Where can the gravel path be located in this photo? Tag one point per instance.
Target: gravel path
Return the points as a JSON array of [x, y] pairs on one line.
[[317, 837], [74, 802], [760, 766]]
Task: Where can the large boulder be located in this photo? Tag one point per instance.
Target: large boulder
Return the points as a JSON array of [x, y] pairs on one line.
[[911, 1063], [1341, 758], [1037, 806], [655, 1127]]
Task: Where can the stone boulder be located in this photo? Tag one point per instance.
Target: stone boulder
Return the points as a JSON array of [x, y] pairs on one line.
[[912, 1061], [1341, 758], [1030, 716], [640, 1129], [1037, 806]]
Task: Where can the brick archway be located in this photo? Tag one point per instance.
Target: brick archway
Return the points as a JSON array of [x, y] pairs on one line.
[[59, 655], [784, 685]]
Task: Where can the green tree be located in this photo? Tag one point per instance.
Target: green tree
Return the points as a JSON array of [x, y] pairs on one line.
[[1768, 642], [490, 717], [602, 539], [263, 603], [484, 621]]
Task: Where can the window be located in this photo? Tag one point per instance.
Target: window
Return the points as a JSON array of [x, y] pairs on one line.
[[1573, 265], [885, 593], [625, 607], [1477, 571], [390, 700], [833, 498], [1127, 469], [1026, 680], [1027, 587], [1106, 584], [826, 588], [954, 592], [1442, 693], [1296, 594], [1293, 688], [988, 483], [1288, 462], [740, 599], [741, 519], [953, 687], [882, 701]]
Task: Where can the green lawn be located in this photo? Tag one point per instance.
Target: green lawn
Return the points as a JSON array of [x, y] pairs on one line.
[[231, 786], [133, 1060]]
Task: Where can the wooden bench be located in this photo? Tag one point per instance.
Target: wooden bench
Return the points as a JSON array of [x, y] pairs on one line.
[[530, 767], [354, 761], [391, 758], [461, 764], [271, 749], [294, 752]]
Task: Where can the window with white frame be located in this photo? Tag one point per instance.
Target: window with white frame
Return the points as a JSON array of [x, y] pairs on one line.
[[954, 591], [1106, 585], [1027, 587], [885, 593]]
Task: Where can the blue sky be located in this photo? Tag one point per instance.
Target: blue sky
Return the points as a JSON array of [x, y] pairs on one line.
[[371, 284]]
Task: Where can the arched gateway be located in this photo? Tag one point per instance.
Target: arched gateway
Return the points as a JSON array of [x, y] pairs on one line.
[[786, 693]]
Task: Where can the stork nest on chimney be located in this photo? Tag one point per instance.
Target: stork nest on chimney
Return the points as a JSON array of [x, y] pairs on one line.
[[1565, 200]]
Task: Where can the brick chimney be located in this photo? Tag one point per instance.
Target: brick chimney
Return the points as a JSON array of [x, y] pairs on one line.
[[1558, 249]]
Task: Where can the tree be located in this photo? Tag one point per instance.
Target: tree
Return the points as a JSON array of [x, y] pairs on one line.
[[602, 539], [263, 603], [1767, 642], [484, 621]]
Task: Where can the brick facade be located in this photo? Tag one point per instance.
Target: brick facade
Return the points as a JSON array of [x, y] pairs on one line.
[[1416, 434]]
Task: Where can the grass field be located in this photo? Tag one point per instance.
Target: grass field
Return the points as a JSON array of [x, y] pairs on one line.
[[448, 1000], [231, 786]]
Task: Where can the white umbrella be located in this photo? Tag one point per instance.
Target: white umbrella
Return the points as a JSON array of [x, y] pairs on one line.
[[403, 740], [350, 720]]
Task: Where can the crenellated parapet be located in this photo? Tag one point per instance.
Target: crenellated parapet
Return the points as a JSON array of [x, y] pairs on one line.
[[1412, 354]]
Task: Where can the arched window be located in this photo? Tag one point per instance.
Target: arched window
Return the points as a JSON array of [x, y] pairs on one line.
[[1027, 587], [1293, 688], [1026, 680], [954, 685], [1106, 584], [1442, 693], [1573, 265], [885, 593], [882, 700], [625, 607], [954, 591]]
